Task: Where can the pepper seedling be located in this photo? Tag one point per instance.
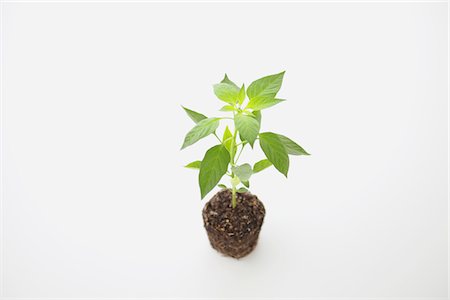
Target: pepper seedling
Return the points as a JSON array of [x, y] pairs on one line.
[[222, 159]]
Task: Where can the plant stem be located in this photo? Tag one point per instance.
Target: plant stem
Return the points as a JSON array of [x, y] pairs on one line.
[[233, 144], [233, 184], [239, 155], [218, 138], [233, 195]]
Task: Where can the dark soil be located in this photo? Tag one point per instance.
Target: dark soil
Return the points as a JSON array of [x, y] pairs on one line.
[[233, 231]]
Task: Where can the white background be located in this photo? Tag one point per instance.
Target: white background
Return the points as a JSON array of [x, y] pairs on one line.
[[96, 202]]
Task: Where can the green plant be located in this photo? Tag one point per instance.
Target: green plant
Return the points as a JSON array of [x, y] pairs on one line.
[[222, 159]]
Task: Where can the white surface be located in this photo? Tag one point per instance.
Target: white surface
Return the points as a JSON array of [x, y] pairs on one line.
[[96, 202]]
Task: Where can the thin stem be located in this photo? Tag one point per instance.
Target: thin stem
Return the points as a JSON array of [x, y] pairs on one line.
[[233, 196], [218, 138], [234, 182], [233, 179], [239, 155]]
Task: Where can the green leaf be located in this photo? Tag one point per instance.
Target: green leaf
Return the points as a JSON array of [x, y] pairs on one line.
[[203, 128], [194, 165], [214, 166], [228, 108], [243, 172], [275, 151], [241, 95], [246, 183], [235, 180], [261, 165], [242, 190], [222, 186], [227, 137], [226, 92], [267, 86], [257, 115], [292, 147], [227, 80], [259, 103], [247, 126], [195, 116]]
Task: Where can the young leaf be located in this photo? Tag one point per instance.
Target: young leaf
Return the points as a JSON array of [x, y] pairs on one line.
[[261, 165], [241, 95], [194, 165], [226, 92], [259, 103], [275, 151], [214, 166], [235, 180], [242, 190], [227, 80], [247, 126], [292, 147], [227, 137], [195, 116], [257, 115], [246, 183], [267, 86], [243, 172], [203, 128], [222, 186], [228, 108]]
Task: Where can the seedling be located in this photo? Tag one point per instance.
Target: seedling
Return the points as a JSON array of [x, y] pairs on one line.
[[244, 106]]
